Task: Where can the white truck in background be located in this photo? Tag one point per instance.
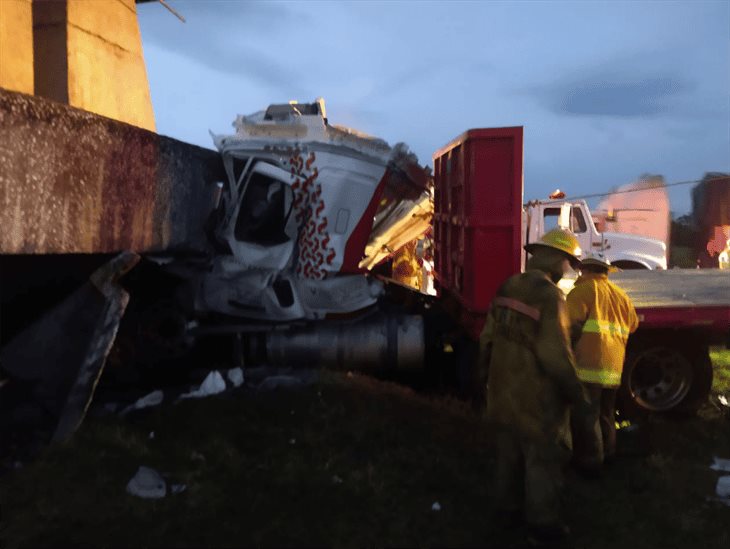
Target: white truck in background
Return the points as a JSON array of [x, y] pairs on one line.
[[626, 251]]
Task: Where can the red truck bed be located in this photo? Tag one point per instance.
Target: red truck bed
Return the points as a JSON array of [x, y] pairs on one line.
[[679, 298], [477, 214]]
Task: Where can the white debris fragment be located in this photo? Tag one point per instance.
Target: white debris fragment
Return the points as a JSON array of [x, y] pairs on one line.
[[336, 480], [723, 490], [720, 464], [235, 376], [153, 399], [723, 400], [147, 483], [151, 435], [178, 488], [436, 506], [292, 441], [212, 385]]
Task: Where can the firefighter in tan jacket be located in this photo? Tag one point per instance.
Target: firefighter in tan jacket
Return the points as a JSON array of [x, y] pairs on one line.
[[531, 385], [602, 317]]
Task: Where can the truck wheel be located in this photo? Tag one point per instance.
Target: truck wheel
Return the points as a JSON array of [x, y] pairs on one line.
[[660, 377]]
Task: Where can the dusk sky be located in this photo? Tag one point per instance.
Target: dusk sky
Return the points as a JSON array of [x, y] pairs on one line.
[[606, 91]]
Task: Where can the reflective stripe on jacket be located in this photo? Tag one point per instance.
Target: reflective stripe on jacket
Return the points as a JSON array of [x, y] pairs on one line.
[[602, 316]]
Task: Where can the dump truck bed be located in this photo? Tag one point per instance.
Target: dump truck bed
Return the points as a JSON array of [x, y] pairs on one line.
[[679, 298]]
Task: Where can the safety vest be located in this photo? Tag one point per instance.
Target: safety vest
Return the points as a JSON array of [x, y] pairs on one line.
[[605, 317]]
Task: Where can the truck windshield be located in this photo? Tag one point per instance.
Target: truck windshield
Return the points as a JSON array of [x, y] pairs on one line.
[[263, 216], [551, 216]]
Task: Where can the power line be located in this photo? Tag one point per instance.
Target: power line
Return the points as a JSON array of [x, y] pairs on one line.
[[675, 184]]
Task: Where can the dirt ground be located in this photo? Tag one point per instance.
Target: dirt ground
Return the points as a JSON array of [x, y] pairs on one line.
[[350, 461]]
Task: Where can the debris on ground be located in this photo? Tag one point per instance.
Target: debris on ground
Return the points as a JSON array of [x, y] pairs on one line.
[[235, 376], [436, 506], [336, 480], [147, 484], [722, 489], [154, 398], [720, 464], [212, 385]]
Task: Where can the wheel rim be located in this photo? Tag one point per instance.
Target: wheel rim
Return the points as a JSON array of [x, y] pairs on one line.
[[660, 379]]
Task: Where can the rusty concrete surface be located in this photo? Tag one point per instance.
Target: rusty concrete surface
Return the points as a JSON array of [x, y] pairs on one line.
[[75, 182]]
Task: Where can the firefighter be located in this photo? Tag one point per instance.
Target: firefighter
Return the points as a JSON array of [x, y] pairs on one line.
[[724, 259], [602, 317], [532, 383]]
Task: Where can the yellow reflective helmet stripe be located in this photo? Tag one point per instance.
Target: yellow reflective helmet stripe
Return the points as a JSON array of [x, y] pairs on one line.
[[602, 377], [603, 327]]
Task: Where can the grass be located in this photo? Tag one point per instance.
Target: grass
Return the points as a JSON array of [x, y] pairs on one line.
[[721, 361], [349, 461]]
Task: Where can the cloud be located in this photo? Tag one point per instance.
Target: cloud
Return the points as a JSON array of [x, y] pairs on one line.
[[227, 37], [612, 94]]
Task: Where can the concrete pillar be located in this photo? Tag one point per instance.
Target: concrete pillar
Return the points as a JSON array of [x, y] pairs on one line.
[[16, 45], [49, 43], [89, 55]]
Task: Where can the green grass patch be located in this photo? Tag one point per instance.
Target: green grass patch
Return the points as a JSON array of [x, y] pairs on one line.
[[348, 462], [721, 376]]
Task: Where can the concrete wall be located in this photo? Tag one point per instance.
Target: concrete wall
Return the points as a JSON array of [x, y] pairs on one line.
[[16, 45], [75, 182]]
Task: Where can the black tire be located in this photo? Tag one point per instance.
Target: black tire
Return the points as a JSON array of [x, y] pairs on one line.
[[664, 377]]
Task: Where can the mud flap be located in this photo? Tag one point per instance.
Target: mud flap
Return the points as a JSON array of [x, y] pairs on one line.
[[62, 355]]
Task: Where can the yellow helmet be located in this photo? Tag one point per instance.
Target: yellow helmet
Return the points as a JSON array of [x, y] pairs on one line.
[[559, 239]]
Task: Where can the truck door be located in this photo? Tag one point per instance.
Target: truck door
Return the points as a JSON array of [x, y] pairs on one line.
[[555, 215], [568, 216], [579, 225]]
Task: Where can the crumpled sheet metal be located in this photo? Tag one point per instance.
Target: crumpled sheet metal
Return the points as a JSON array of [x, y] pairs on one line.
[[76, 182]]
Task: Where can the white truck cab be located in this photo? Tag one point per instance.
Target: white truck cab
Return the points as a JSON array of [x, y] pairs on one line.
[[626, 251]]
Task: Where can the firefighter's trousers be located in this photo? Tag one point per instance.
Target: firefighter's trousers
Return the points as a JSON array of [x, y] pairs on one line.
[[594, 436], [530, 476]]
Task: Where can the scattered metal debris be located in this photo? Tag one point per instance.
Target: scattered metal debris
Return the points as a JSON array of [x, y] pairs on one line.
[[436, 506], [720, 464], [722, 489], [62, 354], [212, 385], [147, 484], [154, 398], [235, 376]]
